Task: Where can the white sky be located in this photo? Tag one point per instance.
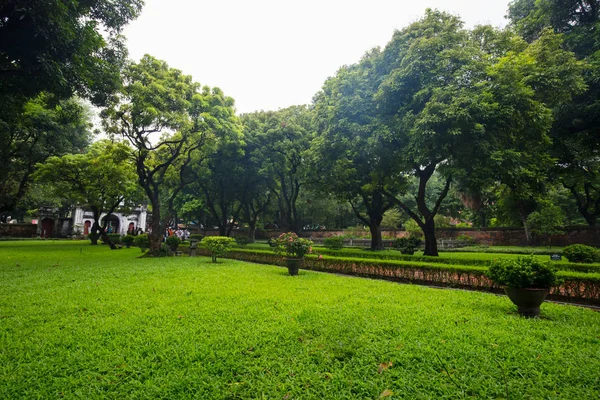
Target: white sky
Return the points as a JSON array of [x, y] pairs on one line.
[[270, 54]]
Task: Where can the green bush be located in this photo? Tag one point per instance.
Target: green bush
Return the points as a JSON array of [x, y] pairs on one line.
[[172, 241], [196, 236], [127, 240], [334, 243], [115, 238], [142, 241], [218, 246], [413, 228], [242, 241], [465, 238], [581, 253], [407, 245], [272, 242], [523, 272]]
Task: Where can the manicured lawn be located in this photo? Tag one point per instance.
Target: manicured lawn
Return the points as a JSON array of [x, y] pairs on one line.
[[78, 321]]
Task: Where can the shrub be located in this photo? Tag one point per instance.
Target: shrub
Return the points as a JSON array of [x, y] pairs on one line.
[[272, 242], [523, 272], [242, 241], [142, 241], [218, 246], [407, 245], [127, 240], [413, 228], [114, 237], [465, 238], [172, 241], [196, 236], [292, 246], [581, 253], [334, 243]]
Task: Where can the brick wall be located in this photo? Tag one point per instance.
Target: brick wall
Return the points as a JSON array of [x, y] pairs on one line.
[[18, 230], [490, 237]]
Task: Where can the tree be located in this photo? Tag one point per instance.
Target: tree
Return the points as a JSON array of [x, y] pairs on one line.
[[547, 221], [168, 119], [427, 101], [218, 176], [256, 193], [346, 152], [43, 130], [574, 134], [285, 136], [103, 180], [61, 47]]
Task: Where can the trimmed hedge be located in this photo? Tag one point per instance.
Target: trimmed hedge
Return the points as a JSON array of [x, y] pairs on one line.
[[576, 286], [445, 260]]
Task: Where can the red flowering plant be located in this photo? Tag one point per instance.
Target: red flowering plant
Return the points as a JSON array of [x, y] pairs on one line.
[[292, 246]]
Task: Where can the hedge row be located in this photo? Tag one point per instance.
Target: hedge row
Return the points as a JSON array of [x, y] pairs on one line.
[[576, 287], [444, 260]]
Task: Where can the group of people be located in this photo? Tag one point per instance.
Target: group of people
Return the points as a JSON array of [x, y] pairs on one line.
[[182, 234]]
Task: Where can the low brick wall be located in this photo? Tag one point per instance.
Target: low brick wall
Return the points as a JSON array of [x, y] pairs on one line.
[[18, 230], [490, 237]]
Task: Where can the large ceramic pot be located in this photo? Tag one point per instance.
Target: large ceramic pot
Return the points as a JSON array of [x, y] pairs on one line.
[[293, 264], [528, 301]]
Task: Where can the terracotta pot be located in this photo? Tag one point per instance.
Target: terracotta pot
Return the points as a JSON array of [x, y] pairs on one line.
[[527, 300], [293, 264]]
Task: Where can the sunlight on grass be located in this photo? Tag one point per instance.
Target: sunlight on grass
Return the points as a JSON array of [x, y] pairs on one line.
[[83, 322]]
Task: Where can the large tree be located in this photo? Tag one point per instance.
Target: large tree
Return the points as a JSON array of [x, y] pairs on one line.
[[61, 47], [345, 154], [574, 134], [428, 102], [167, 118], [285, 136], [44, 129], [103, 180]]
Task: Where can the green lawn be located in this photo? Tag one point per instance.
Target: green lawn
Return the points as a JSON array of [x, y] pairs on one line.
[[78, 321]]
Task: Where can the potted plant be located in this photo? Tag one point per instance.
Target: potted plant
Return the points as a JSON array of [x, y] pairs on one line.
[[218, 246], [407, 245], [127, 240], [172, 241], [294, 249], [526, 281]]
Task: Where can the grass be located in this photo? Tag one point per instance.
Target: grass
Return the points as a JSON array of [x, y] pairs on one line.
[[78, 321]]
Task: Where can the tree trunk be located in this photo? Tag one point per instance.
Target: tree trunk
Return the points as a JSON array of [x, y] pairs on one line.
[[376, 239], [252, 232], [430, 239], [155, 237], [523, 216]]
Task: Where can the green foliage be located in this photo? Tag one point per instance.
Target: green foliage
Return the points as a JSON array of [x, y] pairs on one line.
[[115, 238], [241, 241], [413, 228], [407, 245], [128, 240], [356, 232], [61, 47], [172, 241], [548, 221], [465, 238], [43, 129], [218, 245], [334, 242], [292, 246], [142, 241], [196, 236], [580, 253], [523, 272]]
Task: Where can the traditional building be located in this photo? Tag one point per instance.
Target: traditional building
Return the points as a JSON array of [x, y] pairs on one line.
[[78, 221]]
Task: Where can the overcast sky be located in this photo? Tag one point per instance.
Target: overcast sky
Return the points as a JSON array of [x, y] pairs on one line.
[[270, 54]]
